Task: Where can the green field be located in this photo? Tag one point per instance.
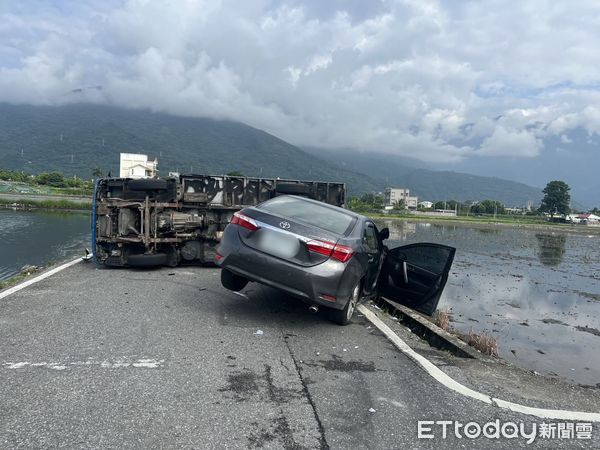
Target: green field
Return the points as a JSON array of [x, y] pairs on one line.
[[24, 203]]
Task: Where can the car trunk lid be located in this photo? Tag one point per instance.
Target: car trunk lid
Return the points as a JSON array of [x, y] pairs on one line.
[[287, 239]]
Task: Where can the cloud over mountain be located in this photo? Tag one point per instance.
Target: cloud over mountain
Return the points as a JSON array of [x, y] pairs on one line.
[[441, 81]]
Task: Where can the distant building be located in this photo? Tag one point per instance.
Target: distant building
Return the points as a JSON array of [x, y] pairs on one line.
[[134, 165], [588, 218], [529, 205], [426, 205], [393, 195]]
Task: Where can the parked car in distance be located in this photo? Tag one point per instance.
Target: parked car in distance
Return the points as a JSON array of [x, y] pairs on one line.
[[328, 256]]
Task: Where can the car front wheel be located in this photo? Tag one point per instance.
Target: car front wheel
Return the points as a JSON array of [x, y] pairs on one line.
[[344, 316]]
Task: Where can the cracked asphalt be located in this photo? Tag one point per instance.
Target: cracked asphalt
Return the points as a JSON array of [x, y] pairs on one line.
[[167, 358]]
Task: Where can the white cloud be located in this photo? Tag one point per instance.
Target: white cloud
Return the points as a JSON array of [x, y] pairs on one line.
[[564, 139], [428, 79], [506, 142]]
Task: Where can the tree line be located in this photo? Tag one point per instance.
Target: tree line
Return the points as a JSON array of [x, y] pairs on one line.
[[371, 202], [52, 179], [556, 201]]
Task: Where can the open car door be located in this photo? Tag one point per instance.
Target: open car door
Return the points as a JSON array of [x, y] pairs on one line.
[[415, 275]]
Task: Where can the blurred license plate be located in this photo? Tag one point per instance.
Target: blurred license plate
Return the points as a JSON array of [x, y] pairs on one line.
[[278, 244]]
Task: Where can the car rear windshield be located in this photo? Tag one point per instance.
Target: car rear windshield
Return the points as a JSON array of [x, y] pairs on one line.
[[310, 213]]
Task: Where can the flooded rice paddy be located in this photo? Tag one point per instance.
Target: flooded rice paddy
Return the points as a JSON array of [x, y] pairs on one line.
[[537, 292]]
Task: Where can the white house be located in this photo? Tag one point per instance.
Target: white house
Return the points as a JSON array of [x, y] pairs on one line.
[[583, 218], [426, 205], [589, 218], [134, 165], [394, 195]]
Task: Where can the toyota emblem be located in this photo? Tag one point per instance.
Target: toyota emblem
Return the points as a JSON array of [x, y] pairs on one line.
[[285, 225]]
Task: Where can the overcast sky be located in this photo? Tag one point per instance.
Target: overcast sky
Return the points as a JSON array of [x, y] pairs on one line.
[[443, 81]]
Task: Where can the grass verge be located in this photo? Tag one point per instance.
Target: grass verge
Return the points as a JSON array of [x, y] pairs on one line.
[[442, 319], [46, 204], [483, 342], [25, 272]]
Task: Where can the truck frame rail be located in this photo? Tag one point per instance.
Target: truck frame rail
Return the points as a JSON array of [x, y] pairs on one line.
[[180, 219]]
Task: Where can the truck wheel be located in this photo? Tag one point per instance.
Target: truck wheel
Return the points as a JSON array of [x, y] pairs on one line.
[[233, 282], [292, 188], [150, 184], [344, 316], [142, 260]]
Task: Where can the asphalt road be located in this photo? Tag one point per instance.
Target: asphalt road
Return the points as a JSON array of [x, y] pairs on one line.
[[167, 358]]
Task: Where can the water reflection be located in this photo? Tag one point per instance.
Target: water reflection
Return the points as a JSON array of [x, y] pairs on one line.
[[399, 230], [483, 230], [39, 238], [551, 248]]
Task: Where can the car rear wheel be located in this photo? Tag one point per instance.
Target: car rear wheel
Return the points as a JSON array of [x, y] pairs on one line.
[[233, 282], [344, 316]]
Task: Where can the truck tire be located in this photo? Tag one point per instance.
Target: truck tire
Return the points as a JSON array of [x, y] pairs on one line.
[[143, 260], [150, 184], [292, 188], [231, 281]]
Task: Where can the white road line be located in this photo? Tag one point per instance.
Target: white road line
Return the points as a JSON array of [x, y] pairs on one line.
[[145, 363], [33, 280], [450, 383]]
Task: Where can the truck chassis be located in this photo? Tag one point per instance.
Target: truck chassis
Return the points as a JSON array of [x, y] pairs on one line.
[[180, 219]]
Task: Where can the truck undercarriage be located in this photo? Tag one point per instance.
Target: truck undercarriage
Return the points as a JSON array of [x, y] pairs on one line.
[[180, 219]]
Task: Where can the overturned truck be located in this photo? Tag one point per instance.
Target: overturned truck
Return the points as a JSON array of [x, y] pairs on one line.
[[180, 219]]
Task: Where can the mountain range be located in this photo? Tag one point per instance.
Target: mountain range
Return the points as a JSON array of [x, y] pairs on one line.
[[76, 138]]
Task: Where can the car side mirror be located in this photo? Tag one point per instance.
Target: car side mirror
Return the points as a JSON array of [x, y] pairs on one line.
[[384, 234]]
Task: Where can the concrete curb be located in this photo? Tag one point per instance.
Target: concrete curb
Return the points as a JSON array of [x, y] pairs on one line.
[[429, 331]]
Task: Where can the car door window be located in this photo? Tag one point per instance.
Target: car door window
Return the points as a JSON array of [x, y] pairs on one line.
[[434, 260], [370, 237], [416, 274]]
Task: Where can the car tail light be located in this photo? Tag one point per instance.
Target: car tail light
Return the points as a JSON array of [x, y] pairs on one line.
[[342, 253], [244, 221], [336, 251]]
